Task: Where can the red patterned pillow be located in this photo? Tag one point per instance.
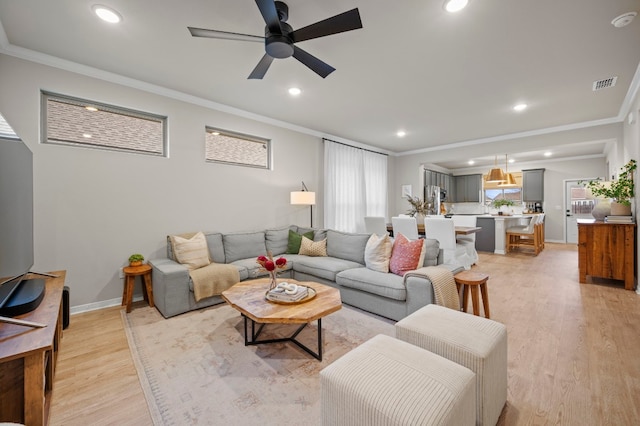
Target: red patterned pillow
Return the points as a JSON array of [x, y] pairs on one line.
[[405, 255]]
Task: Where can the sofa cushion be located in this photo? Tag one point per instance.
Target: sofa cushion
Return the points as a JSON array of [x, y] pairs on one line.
[[295, 238], [277, 240], [377, 253], [322, 267], [313, 248], [405, 255], [380, 283], [216, 248], [431, 252], [192, 252], [347, 246], [243, 245], [318, 234]]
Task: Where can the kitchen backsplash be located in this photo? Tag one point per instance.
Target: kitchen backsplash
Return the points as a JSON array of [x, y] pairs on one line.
[[477, 208]]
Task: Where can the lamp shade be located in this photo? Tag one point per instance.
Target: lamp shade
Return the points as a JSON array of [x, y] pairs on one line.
[[306, 198], [509, 180], [496, 175]]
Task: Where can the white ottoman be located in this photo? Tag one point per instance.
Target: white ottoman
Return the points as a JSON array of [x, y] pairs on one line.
[[386, 381], [477, 343]]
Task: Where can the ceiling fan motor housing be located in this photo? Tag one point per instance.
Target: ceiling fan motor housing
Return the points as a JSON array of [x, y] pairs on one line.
[[279, 45]]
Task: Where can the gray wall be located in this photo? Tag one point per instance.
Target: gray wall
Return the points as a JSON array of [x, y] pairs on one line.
[[93, 208]]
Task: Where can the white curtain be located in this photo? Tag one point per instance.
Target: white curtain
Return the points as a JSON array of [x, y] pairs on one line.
[[355, 186]]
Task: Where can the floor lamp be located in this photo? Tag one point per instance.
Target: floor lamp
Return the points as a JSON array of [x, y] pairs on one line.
[[305, 198]]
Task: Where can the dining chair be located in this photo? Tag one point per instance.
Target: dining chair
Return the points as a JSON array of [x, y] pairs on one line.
[[525, 236], [375, 225], [468, 240], [444, 231], [407, 226]]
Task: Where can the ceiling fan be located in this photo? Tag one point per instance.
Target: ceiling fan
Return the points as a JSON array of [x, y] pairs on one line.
[[280, 37]]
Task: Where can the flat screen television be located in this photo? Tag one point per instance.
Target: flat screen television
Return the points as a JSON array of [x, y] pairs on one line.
[[17, 294]]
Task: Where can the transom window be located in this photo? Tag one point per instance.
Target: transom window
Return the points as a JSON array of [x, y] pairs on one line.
[[223, 146], [79, 122]]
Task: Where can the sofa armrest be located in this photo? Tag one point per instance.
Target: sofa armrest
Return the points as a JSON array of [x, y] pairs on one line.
[[419, 292], [170, 286]]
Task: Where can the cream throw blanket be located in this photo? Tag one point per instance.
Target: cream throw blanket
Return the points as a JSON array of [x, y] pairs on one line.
[[444, 285], [213, 279]]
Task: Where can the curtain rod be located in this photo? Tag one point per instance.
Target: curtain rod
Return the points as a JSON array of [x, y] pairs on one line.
[[356, 147]]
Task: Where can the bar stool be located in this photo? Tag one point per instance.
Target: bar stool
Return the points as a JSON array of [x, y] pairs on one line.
[[130, 274], [472, 280]]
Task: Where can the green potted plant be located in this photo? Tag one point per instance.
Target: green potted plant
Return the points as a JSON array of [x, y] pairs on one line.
[[499, 202], [136, 259], [620, 191]]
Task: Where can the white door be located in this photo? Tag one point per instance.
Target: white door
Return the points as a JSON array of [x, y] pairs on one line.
[[578, 205]]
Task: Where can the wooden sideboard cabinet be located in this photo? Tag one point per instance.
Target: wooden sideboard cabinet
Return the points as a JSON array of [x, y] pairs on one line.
[[607, 250], [28, 359]]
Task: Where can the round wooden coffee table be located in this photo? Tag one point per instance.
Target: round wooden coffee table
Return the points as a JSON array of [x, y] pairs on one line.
[[248, 297]]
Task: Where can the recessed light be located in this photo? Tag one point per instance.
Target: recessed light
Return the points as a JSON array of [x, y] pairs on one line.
[[107, 14], [520, 107], [471, 162], [86, 135], [548, 154], [294, 91], [215, 133], [401, 133], [455, 5], [91, 108], [511, 160]]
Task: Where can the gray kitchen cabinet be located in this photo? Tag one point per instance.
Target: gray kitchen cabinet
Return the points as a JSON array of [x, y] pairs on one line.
[[486, 239], [533, 185], [467, 188]]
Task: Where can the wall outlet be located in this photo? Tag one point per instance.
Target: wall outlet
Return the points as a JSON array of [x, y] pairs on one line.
[[121, 273]]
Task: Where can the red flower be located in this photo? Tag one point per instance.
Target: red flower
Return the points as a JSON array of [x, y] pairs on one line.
[[262, 259], [269, 265], [280, 262]]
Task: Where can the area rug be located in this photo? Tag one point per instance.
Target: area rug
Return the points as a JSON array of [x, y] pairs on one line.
[[194, 368]]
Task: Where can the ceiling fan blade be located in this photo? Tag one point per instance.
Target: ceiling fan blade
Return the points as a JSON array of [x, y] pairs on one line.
[[346, 21], [270, 15], [315, 64], [201, 32], [261, 69]]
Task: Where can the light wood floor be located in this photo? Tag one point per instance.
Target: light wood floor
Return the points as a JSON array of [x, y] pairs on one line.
[[574, 350]]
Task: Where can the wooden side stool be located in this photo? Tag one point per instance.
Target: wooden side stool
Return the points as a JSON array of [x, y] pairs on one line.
[[472, 280], [130, 274]]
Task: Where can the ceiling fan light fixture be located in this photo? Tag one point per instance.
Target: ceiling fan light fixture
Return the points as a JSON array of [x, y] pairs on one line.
[[107, 14], [454, 6]]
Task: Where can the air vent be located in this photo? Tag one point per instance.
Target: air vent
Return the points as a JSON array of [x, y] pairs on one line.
[[604, 83]]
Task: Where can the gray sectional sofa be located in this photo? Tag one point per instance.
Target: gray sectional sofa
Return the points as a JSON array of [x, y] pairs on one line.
[[384, 294]]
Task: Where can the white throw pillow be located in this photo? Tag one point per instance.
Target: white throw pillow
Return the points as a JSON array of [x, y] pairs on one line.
[[191, 252], [377, 253]]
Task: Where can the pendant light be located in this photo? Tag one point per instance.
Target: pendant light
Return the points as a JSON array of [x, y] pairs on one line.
[[510, 181], [496, 174]]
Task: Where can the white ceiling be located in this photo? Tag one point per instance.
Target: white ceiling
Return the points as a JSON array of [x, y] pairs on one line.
[[443, 78]]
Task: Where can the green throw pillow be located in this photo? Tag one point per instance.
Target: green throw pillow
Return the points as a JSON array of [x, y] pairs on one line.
[[295, 239]]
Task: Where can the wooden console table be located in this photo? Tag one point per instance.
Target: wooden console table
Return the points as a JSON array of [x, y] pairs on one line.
[[28, 359], [607, 250]]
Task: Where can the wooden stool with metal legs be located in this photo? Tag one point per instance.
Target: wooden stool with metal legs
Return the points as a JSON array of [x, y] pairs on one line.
[[472, 280]]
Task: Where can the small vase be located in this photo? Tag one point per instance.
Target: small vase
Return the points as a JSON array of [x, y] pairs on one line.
[[273, 280], [601, 210]]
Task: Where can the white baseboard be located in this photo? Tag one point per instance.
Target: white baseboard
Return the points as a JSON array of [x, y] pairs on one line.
[[100, 305]]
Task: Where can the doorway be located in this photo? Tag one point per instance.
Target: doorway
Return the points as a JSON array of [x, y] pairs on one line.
[[578, 205]]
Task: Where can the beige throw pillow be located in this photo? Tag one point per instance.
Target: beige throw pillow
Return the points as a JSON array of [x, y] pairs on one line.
[[313, 248], [377, 253], [191, 252]]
